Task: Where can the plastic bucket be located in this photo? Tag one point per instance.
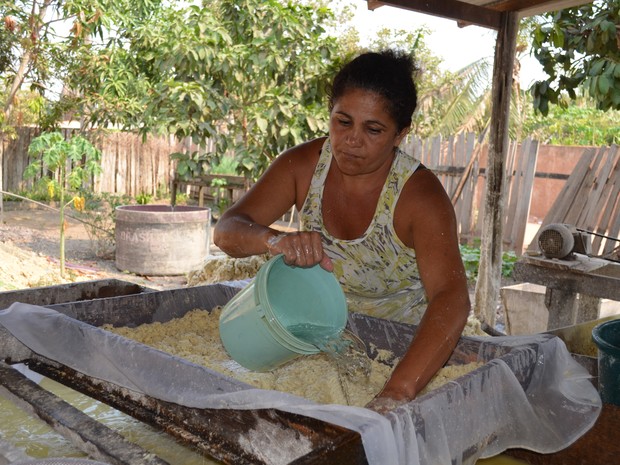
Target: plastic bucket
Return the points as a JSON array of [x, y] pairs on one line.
[[281, 314], [606, 336]]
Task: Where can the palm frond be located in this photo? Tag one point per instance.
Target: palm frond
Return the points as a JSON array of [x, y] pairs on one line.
[[462, 100]]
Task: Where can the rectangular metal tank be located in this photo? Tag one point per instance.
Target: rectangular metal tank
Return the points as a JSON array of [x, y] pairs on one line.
[[219, 433]]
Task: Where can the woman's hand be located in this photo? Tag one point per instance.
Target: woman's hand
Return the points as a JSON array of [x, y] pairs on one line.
[[302, 249], [397, 391], [383, 405]]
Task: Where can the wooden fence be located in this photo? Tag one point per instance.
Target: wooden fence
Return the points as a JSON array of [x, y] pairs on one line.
[[459, 162], [130, 165], [590, 200], [133, 167]]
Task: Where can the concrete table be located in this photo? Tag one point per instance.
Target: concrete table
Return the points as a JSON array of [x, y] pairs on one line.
[[575, 286]]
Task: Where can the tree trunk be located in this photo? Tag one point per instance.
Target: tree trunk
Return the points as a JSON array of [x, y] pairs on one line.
[[36, 23], [18, 80], [490, 268]]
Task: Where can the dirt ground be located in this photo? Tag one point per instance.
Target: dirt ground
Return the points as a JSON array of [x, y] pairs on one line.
[[30, 252]]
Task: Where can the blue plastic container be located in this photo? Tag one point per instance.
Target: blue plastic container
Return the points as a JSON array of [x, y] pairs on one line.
[[606, 336], [281, 314]]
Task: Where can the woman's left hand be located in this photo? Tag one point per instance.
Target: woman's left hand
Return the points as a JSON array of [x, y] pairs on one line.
[[302, 248]]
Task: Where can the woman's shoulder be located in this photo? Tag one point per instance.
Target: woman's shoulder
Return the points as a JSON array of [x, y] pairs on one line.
[[308, 150], [423, 180], [304, 156], [424, 191]]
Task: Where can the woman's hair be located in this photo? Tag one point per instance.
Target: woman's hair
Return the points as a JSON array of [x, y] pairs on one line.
[[389, 74]]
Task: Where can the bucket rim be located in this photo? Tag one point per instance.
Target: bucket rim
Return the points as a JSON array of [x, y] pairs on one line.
[[160, 208], [600, 342], [290, 340]]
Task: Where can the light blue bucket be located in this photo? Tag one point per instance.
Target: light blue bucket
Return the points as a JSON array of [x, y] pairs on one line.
[[281, 314]]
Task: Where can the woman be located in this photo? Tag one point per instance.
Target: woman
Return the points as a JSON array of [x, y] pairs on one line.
[[370, 213]]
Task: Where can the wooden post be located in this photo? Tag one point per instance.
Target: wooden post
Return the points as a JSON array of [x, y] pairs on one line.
[[1, 178], [490, 267], [88, 435]]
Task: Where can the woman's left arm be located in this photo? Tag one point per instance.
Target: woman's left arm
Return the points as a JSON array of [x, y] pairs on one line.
[[427, 215]]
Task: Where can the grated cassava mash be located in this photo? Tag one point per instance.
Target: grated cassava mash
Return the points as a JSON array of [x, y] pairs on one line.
[[195, 337]]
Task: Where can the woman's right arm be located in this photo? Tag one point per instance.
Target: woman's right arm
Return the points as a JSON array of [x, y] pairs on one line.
[[245, 228]]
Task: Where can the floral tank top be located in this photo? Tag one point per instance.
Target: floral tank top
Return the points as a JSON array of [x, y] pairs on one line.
[[378, 273]]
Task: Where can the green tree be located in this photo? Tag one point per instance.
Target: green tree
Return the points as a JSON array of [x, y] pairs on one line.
[[250, 75], [448, 102], [73, 163], [41, 39], [456, 101], [579, 47], [578, 124]]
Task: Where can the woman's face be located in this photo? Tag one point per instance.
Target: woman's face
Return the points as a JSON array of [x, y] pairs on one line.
[[362, 133]]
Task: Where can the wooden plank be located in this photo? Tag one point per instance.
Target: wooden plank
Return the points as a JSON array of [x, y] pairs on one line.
[[593, 208], [581, 197], [132, 165], [476, 213], [458, 11], [107, 165], [450, 158], [577, 282], [88, 435], [435, 152], [613, 231], [522, 214], [565, 281], [468, 187], [512, 187], [611, 210], [119, 185], [472, 156], [459, 160], [563, 202], [489, 274], [591, 181], [610, 197], [562, 306], [565, 198]]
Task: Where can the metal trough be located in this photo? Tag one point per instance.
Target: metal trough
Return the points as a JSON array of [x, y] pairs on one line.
[[218, 433], [72, 292]]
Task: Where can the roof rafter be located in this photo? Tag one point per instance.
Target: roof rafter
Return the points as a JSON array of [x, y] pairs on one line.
[[483, 13], [451, 9]]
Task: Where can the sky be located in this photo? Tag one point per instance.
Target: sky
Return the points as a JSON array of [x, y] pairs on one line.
[[457, 46]]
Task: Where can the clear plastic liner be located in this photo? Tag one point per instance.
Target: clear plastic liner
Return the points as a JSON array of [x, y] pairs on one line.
[[479, 415]]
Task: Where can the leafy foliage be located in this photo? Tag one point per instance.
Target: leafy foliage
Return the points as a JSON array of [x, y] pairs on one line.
[[458, 101], [578, 124], [471, 261], [99, 218], [72, 162], [250, 75], [579, 47], [39, 49], [448, 102]]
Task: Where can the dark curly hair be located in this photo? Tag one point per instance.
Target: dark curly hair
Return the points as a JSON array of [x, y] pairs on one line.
[[389, 74]]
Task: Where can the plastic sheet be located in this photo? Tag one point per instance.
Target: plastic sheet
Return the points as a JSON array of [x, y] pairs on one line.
[[547, 407]]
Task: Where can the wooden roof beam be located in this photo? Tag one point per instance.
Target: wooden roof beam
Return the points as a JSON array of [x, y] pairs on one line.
[[453, 9], [463, 13]]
